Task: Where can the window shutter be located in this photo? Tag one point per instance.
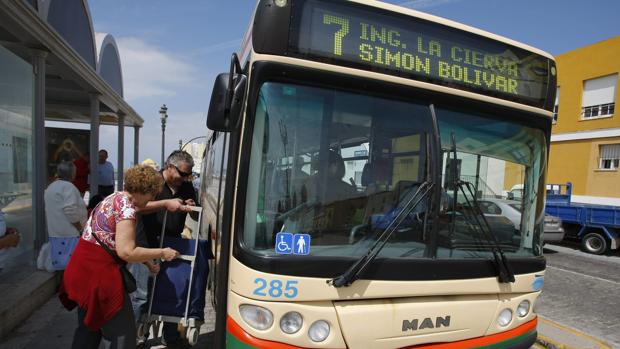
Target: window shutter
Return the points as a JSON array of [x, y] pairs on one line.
[[610, 151], [599, 91]]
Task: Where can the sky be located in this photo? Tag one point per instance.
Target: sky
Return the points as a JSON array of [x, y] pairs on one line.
[[171, 51]]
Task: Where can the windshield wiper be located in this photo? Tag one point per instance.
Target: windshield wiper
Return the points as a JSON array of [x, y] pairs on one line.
[[504, 271], [353, 273]]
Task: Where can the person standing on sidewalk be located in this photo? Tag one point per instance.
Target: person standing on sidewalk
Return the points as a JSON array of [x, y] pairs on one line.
[[177, 193], [82, 170], [106, 174], [65, 212], [92, 279]]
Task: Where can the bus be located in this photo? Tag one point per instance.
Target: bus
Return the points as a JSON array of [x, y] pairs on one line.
[[349, 146]]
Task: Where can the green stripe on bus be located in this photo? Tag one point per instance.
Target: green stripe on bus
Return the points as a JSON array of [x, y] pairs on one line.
[[233, 342], [509, 342]]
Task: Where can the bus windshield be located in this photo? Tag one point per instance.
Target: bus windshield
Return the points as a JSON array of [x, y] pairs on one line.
[[338, 166]]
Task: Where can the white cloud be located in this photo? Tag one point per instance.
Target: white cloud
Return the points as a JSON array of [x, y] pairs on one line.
[[422, 4], [149, 71], [225, 45]]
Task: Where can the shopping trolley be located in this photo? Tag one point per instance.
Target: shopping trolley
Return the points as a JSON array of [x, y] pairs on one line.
[[177, 293]]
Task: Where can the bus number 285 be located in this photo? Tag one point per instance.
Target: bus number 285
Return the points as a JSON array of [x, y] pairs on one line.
[[275, 288]]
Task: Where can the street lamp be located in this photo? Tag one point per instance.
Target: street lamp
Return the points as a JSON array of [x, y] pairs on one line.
[[163, 115]]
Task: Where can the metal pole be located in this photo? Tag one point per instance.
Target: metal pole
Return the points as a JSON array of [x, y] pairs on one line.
[[477, 176], [120, 160], [94, 144], [163, 141], [163, 115], [38, 149], [136, 144]]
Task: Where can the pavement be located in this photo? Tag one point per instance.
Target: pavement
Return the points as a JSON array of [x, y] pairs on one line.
[[552, 335], [52, 326], [46, 324], [24, 290]]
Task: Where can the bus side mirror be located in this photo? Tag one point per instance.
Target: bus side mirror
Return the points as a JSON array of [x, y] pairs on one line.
[[226, 102]]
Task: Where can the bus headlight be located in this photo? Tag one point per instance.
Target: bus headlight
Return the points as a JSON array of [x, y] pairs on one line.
[[280, 3], [504, 318], [291, 322], [255, 316], [319, 331], [523, 308]]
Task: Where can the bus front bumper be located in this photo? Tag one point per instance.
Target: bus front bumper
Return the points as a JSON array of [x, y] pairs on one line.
[[522, 337]]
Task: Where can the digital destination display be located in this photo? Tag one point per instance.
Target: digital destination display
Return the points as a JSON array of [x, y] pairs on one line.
[[354, 36]]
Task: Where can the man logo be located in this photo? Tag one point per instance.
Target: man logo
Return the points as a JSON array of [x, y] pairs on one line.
[[426, 323]]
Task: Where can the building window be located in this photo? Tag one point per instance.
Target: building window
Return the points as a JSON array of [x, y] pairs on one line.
[[556, 106], [610, 157], [598, 110], [16, 171], [599, 97]]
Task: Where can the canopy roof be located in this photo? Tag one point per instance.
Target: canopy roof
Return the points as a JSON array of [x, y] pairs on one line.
[[76, 66]]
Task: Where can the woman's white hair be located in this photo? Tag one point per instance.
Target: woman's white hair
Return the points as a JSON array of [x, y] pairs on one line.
[[65, 170]]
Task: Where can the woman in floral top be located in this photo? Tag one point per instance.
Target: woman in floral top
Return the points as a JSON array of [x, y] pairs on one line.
[[92, 280]]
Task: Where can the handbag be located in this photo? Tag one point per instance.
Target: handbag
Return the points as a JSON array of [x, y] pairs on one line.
[[44, 260], [129, 282]]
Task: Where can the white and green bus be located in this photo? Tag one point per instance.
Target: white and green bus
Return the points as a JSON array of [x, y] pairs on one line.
[[353, 144]]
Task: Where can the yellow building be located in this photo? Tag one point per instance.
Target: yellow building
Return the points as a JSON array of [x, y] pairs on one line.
[[585, 140]]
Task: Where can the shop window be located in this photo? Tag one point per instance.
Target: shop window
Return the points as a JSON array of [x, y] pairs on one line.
[[599, 97], [610, 157]]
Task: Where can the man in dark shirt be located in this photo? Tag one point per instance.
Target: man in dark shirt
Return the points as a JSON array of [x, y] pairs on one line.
[[177, 194], [176, 197]]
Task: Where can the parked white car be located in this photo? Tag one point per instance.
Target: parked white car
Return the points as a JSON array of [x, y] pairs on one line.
[[511, 209], [554, 231]]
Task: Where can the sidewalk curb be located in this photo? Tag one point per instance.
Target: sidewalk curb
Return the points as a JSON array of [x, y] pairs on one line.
[[25, 297], [550, 343]]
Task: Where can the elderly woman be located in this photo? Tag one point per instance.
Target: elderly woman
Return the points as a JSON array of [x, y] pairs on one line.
[[65, 212], [93, 281]]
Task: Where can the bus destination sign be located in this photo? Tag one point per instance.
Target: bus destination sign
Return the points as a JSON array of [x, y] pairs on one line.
[[414, 48]]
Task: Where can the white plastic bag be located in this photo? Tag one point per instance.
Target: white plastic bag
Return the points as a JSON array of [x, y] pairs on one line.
[[44, 261]]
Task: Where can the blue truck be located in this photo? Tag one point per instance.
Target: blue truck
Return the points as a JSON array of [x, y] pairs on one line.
[[597, 226]]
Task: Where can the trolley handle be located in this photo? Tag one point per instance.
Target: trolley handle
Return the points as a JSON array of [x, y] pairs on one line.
[[193, 208]]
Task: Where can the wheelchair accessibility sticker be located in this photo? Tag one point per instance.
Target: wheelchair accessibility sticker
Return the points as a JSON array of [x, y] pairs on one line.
[[287, 243]]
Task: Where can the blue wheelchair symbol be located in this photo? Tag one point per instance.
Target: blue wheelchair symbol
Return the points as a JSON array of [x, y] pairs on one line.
[[284, 243], [301, 244]]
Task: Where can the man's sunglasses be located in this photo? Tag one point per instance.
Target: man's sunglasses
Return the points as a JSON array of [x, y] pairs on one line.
[[181, 173]]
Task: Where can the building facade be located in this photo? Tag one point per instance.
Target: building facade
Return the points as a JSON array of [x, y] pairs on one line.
[[53, 67], [585, 140]]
